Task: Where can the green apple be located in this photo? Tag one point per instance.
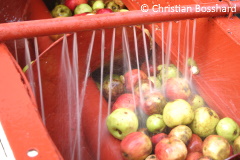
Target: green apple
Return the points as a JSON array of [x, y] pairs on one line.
[[236, 145], [204, 122], [228, 129], [178, 112], [82, 8], [113, 6], [123, 10], [98, 5], [61, 11], [155, 123], [196, 101], [182, 132], [156, 82], [166, 73], [121, 122], [191, 62]]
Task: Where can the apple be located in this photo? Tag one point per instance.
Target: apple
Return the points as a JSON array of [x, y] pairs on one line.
[[98, 5], [151, 157], [196, 101], [71, 4], [182, 132], [119, 3], [157, 138], [145, 69], [204, 122], [82, 8], [144, 88], [155, 123], [136, 146], [113, 6], [177, 88], [216, 147], [123, 10], [122, 122], [236, 145], [117, 86], [61, 11], [171, 148], [195, 144], [131, 78], [156, 82], [167, 72], [178, 112], [154, 102], [103, 11], [83, 14], [194, 156], [126, 100], [228, 129]]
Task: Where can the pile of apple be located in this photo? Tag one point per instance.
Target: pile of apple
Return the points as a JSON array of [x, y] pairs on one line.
[[163, 118], [87, 7]]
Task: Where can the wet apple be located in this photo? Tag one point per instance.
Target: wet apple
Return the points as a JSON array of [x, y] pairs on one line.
[[178, 112], [216, 147], [182, 132], [171, 148], [195, 144], [126, 100], [136, 146], [204, 122]]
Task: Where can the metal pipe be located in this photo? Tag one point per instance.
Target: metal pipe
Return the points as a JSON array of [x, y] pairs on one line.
[[28, 29]]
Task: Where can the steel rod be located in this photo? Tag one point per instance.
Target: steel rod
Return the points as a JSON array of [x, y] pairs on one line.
[[27, 29]]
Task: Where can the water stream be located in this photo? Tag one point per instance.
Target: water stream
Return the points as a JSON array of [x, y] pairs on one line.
[[69, 70]]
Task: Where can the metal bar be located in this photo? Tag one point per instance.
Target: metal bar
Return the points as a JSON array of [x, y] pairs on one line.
[[27, 29]]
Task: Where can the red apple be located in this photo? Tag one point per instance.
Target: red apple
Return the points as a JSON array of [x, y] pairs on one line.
[[177, 88], [171, 148], [71, 4], [195, 144], [154, 103], [103, 11], [131, 78], [136, 146], [126, 100], [216, 147], [157, 138], [144, 68], [194, 156]]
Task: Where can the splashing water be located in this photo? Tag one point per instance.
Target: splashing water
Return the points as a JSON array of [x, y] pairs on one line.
[[76, 92]]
